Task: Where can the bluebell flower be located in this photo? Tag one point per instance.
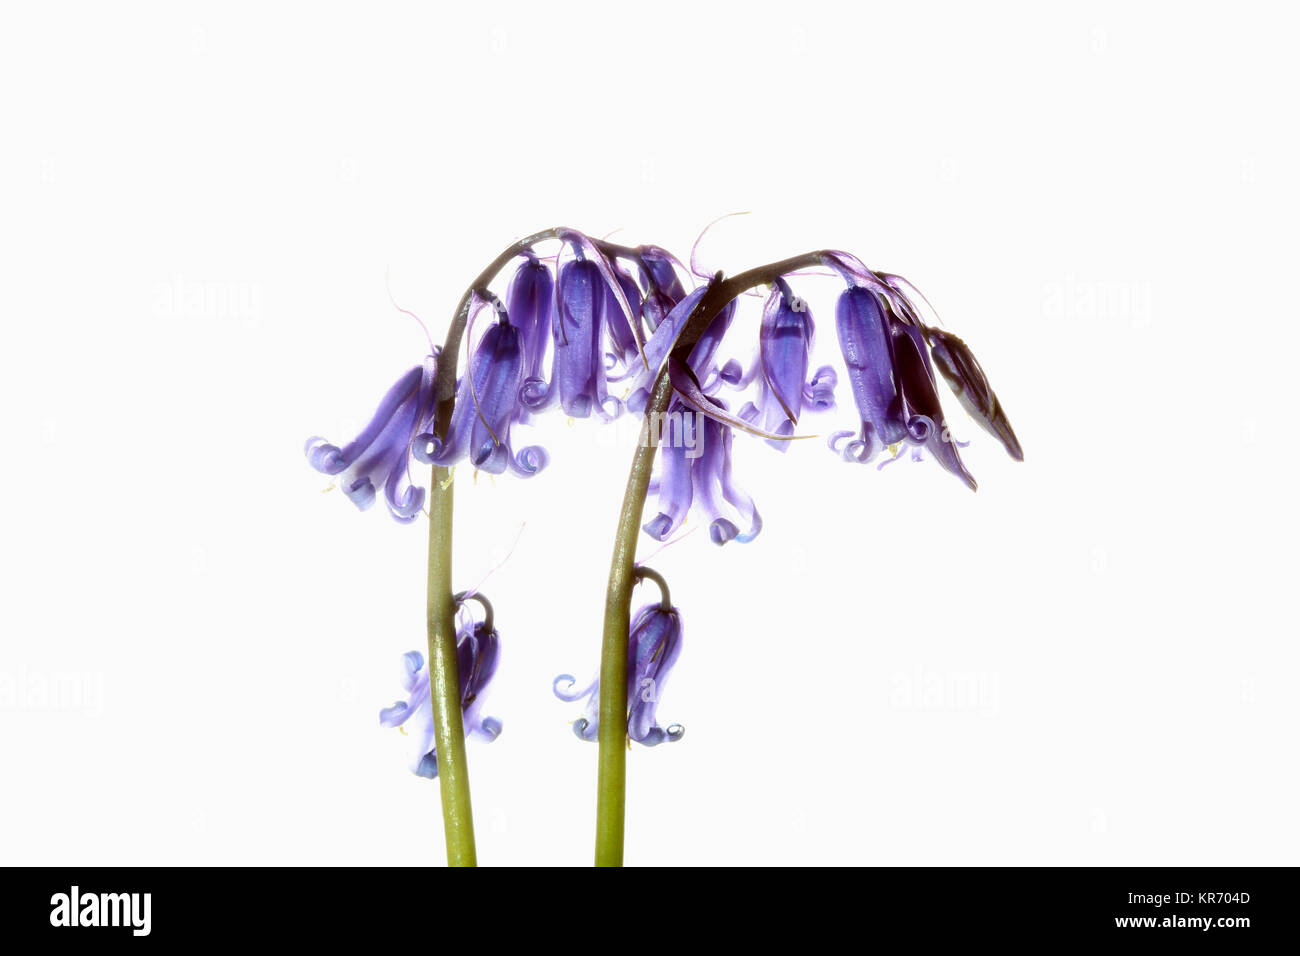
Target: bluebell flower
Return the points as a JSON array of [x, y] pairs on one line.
[[379, 457], [925, 422], [622, 337], [488, 405], [784, 390], [866, 342], [893, 382], [530, 303], [654, 644], [886, 348], [659, 269], [694, 470], [658, 347], [578, 378], [960, 369], [477, 651]]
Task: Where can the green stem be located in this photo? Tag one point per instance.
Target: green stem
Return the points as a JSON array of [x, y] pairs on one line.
[[611, 784], [444, 672], [444, 679]]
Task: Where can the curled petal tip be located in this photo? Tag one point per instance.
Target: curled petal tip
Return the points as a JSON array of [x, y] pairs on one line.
[[529, 461], [361, 493], [658, 527], [569, 693], [428, 766], [394, 716], [326, 458], [721, 531], [425, 448]]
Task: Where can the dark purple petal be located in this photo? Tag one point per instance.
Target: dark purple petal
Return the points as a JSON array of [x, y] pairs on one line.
[[661, 342], [530, 301], [477, 655], [621, 334], [497, 373], [960, 369], [656, 305], [659, 267], [701, 358], [784, 340], [925, 422]]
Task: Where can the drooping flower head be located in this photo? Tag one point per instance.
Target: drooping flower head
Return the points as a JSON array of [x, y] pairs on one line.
[[654, 644], [887, 349], [379, 457], [477, 651]]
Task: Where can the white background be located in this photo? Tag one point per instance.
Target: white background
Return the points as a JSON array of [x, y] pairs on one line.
[[1092, 660]]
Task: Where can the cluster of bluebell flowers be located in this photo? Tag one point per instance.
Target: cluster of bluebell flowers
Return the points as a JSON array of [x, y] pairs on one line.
[[589, 331], [477, 651], [550, 343]]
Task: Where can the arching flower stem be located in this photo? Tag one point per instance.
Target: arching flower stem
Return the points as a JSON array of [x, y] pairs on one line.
[[444, 677], [441, 604], [611, 785]]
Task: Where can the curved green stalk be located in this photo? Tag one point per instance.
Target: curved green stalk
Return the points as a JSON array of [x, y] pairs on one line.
[[612, 735], [444, 679], [611, 784], [444, 676]]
